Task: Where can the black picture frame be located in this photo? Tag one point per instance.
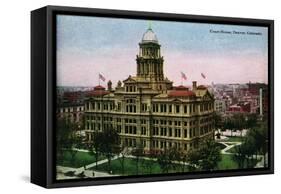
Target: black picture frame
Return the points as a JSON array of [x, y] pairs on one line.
[[43, 95]]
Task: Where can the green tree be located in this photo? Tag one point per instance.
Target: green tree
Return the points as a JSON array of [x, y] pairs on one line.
[[218, 123], [95, 148], [124, 152], [174, 156], [217, 118], [193, 158], [228, 124], [148, 163], [67, 139], [263, 140], [255, 142], [210, 155], [183, 158], [259, 135], [239, 122], [109, 144], [250, 149], [240, 156], [138, 152], [206, 157], [164, 160], [251, 120]]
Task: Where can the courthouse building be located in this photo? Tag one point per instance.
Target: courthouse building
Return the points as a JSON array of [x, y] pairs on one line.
[[148, 110]]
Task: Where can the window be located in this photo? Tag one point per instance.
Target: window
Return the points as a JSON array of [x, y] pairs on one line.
[[177, 132], [155, 107], [170, 144], [119, 106], [162, 144], [143, 107], [130, 106], [185, 109], [170, 108], [177, 123], [143, 121], [185, 133], [170, 132], [177, 108], [163, 108], [119, 128], [143, 130], [162, 131], [143, 142]]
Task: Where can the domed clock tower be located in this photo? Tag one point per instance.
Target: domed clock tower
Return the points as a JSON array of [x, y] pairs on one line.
[[149, 60]]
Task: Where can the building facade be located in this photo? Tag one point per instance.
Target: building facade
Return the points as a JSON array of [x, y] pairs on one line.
[[147, 110], [70, 106]]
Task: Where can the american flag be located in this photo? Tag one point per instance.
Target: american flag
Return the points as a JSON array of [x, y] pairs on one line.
[[203, 75], [183, 76], [101, 77]]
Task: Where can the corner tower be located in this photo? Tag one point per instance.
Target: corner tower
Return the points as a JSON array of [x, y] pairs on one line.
[[149, 59]]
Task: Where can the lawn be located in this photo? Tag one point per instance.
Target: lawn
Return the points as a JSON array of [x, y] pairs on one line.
[[152, 167], [80, 159], [227, 163], [145, 167], [233, 149], [221, 146], [130, 166]]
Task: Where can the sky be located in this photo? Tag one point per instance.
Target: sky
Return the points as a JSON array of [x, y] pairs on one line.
[[87, 46]]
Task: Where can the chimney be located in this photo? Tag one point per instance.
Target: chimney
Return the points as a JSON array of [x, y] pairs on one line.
[[109, 85], [194, 86]]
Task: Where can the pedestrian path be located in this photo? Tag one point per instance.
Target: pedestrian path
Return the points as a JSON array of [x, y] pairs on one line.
[[260, 158], [228, 147], [100, 162]]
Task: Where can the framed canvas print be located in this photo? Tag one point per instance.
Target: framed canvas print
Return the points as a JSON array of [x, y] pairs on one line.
[[125, 96]]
